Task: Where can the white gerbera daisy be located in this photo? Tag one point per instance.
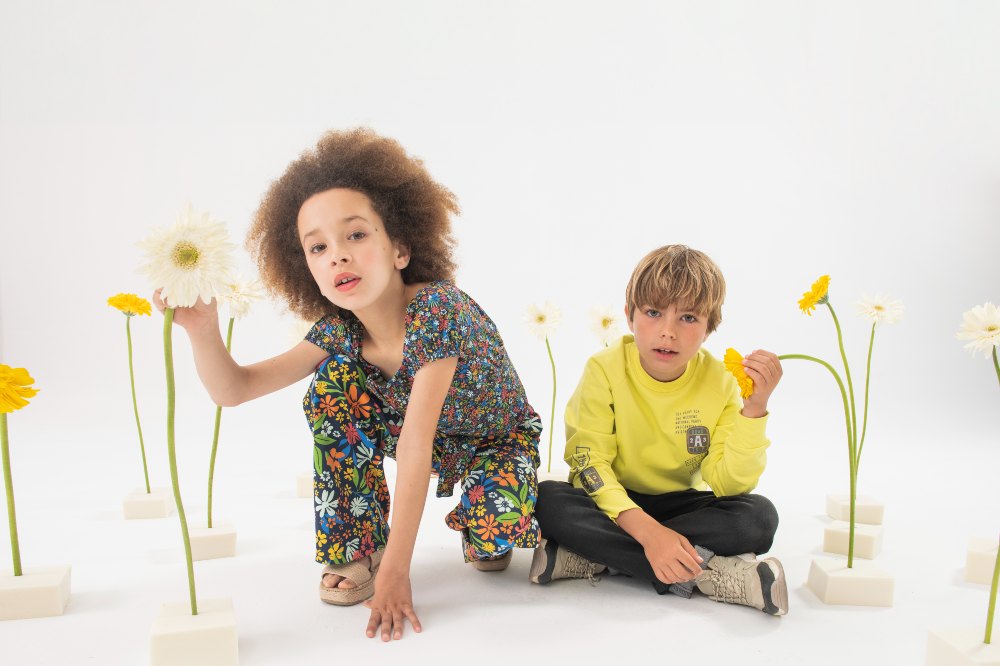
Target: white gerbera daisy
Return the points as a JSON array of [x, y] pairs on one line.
[[879, 309], [240, 293], [981, 326], [190, 260], [604, 324], [542, 322]]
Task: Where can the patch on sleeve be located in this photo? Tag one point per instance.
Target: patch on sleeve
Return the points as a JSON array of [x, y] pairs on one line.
[[591, 480], [581, 458], [697, 440]]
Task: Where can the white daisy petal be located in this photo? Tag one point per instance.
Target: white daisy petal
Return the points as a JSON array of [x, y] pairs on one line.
[[604, 324], [189, 260], [240, 293], [981, 326], [542, 322], [879, 309]]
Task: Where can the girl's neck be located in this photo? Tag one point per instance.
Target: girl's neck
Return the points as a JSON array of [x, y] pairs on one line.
[[384, 320]]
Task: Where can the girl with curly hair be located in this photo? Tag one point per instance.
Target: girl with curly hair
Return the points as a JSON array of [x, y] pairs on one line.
[[356, 236]]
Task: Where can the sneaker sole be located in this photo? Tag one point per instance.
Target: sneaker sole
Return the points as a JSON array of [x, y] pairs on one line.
[[773, 587], [543, 562], [494, 564]]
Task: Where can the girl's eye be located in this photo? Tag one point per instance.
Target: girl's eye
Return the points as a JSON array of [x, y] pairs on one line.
[[689, 318], [356, 235], [317, 248], [652, 313]]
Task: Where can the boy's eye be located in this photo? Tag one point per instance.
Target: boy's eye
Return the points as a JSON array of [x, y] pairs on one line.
[[689, 318], [317, 248], [356, 235], [650, 312]]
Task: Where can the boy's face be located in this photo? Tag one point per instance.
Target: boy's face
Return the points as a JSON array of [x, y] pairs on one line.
[[666, 339]]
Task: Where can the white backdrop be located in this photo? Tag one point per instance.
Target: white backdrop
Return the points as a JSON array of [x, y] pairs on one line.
[[785, 139]]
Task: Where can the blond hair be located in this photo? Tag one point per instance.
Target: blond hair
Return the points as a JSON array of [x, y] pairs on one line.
[[677, 275]]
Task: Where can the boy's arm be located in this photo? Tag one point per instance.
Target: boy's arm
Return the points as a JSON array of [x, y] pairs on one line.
[[737, 454], [591, 444]]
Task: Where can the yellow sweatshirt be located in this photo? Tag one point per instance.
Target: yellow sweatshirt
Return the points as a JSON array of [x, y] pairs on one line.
[[625, 429]]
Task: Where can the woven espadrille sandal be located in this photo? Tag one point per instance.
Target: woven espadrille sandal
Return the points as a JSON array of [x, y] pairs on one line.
[[360, 572]]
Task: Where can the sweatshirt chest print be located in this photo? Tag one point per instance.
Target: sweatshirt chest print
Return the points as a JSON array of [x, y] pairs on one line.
[[688, 425]]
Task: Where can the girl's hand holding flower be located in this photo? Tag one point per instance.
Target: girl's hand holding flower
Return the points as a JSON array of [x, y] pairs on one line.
[[198, 317]]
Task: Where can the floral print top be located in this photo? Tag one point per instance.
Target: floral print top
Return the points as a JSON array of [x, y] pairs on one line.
[[486, 400]]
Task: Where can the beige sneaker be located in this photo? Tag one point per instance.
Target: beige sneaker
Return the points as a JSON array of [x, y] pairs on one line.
[[745, 580], [552, 562]]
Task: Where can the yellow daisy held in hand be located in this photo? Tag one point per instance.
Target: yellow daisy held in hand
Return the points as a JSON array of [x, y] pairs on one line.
[[15, 389], [817, 295], [130, 305], [734, 364]]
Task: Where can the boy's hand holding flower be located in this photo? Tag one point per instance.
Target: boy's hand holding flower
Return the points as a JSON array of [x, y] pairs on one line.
[[764, 369]]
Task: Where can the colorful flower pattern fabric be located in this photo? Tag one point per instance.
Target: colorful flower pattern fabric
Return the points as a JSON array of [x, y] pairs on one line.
[[487, 436]]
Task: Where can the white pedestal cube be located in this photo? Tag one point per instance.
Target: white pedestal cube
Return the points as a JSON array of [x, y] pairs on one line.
[[211, 543], [206, 639], [862, 585], [38, 592], [304, 485], [980, 560], [867, 539], [158, 503], [867, 510], [961, 647]]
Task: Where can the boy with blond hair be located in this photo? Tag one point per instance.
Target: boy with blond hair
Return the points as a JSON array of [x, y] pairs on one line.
[[654, 420]]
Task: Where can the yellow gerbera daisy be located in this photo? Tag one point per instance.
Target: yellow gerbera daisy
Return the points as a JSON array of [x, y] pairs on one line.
[[14, 388], [734, 364], [130, 304], [817, 295]]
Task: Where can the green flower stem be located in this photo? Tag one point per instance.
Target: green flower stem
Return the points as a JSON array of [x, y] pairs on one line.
[[996, 567], [135, 405], [996, 573], [215, 436], [850, 441], [868, 374], [847, 373], [168, 357], [854, 435], [8, 485], [552, 417]]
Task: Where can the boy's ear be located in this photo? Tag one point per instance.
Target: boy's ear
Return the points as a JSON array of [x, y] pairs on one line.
[[628, 319], [402, 256]]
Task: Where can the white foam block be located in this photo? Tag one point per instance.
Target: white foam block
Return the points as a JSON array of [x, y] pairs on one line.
[[867, 510], [206, 639], [158, 503], [867, 539], [209, 544], [958, 647], [304, 485], [553, 476], [862, 585], [38, 592], [980, 560]]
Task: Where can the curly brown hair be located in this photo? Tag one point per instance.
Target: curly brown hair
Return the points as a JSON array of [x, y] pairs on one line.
[[415, 208]]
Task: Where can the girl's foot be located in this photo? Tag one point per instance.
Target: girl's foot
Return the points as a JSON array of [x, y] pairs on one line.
[[350, 583]]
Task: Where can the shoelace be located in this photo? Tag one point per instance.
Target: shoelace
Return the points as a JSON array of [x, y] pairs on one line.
[[578, 567], [730, 586]]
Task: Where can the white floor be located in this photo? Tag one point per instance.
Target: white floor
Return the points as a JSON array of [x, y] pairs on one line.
[[69, 488]]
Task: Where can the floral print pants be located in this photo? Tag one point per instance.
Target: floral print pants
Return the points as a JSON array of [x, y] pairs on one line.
[[353, 431]]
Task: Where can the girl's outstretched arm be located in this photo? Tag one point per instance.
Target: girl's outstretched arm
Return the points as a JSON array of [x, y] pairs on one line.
[[393, 600], [227, 382]]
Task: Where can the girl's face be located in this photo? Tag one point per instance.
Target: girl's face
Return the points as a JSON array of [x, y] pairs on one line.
[[348, 251]]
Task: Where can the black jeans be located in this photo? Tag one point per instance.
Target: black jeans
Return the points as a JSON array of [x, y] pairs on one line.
[[724, 525]]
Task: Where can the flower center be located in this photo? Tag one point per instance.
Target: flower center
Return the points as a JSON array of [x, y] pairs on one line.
[[606, 322], [879, 308], [992, 328], [540, 319], [185, 255]]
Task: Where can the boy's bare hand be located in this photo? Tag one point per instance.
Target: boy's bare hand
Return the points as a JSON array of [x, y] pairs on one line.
[[391, 606], [673, 558], [764, 369], [200, 315]]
